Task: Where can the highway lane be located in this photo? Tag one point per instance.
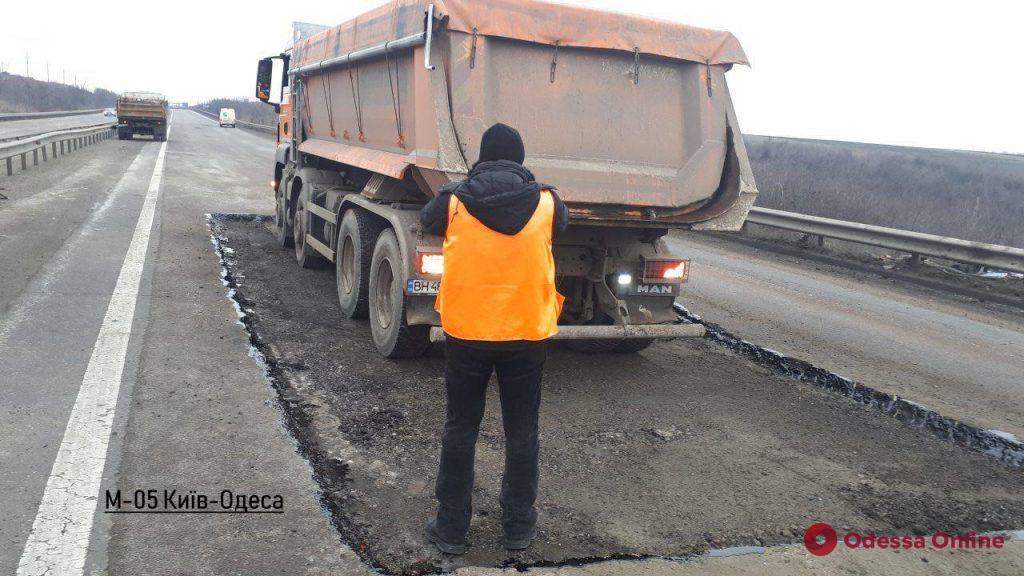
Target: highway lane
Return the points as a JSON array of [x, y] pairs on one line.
[[23, 128], [959, 359], [56, 284], [197, 379], [32, 229], [63, 237]]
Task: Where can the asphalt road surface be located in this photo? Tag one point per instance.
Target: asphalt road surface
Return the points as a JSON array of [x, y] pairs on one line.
[[961, 359], [193, 411], [22, 128], [124, 366], [684, 447]]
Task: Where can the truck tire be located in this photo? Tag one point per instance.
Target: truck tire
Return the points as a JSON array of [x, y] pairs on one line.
[[305, 255], [282, 228], [392, 335], [124, 135], [357, 236]]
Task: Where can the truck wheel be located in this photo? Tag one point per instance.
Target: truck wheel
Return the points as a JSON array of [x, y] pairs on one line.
[[393, 337], [124, 135], [305, 255], [356, 237], [282, 229]]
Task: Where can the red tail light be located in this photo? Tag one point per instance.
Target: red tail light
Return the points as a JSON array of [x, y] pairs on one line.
[[666, 270], [430, 264]]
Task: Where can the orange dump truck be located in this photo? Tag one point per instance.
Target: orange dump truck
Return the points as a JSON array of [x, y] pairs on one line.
[[629, 117], [142, 113]]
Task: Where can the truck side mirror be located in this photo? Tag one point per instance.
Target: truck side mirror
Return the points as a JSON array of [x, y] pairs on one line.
[[264, 79]]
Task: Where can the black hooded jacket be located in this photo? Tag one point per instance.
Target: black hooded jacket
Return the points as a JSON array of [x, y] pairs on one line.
[[501, 194]]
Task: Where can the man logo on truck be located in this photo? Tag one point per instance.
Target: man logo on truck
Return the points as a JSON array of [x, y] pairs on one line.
[[653, 289]]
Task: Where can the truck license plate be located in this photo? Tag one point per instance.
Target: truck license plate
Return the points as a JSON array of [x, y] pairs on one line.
[[423, 287]]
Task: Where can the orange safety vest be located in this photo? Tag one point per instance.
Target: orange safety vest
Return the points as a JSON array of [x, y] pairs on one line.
[[496, 287]]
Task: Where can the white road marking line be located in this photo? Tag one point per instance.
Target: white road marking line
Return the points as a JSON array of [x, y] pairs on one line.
[[60, 534]]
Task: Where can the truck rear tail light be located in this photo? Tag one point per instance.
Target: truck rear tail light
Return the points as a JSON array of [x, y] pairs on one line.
[[666, 270], [430, 264]]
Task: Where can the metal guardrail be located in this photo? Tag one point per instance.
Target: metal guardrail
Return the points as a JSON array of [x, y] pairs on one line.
[[31, 135], [915, 243], [249, 125], [51, 144], [34, 115], [258, 127]]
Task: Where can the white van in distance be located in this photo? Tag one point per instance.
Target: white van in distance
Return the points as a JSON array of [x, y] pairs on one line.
[[227, 117]]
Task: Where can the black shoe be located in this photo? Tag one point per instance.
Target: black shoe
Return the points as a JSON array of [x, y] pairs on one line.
[[520, 542], [434, 537]]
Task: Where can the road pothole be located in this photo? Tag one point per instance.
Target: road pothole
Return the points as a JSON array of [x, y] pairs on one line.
[[746, 456]]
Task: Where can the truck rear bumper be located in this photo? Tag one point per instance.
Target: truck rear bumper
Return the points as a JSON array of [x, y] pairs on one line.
[[629, 332]]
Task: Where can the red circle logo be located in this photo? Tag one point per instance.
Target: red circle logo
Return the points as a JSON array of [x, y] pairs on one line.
[[820, 539]]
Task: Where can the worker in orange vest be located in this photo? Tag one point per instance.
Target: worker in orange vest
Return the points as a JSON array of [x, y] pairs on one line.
[[498, 306]]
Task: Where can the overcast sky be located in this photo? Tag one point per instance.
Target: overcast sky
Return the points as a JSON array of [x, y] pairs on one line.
[[922, 73]]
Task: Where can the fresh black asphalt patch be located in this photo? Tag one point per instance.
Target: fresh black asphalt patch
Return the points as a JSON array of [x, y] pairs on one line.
[[684, 447]]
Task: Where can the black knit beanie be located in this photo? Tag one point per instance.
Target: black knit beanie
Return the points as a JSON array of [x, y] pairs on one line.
[[501, 142]]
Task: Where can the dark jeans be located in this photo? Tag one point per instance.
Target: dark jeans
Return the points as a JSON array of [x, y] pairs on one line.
[[467, 372]]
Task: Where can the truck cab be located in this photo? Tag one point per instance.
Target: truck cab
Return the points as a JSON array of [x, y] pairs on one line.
[[284, 117]]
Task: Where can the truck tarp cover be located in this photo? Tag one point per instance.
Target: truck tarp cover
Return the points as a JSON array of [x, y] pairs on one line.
[[629, 117], [532, 21]]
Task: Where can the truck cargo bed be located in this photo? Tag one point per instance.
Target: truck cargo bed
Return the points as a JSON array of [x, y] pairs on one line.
[[644, 135]]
